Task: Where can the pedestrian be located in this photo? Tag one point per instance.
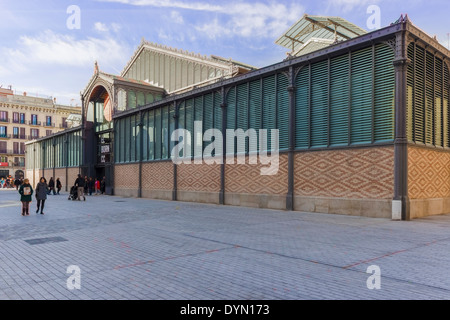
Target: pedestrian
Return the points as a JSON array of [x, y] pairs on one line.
[[91, 186], [2, 182], [103, 185], [17, 183], [51, 186], [79, 183], [86, 185], [41, 194], [58, 185], [97, 186], [26, 191]]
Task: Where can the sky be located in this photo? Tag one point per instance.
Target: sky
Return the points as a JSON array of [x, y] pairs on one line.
[[49, 47]]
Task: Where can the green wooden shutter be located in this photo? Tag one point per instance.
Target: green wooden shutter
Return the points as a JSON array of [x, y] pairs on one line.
[[208, 114], [319, 104], [446, 84], [302, 122], [242, 110], [158, 133], [283, 110], [361, 83], [438, 103], [189, 108], [429, 103], [171, 128], [269, 107], [255, 110], [339, 100], [419, 95], [410, 94], [151, 135], [384, 94], [165, 133]]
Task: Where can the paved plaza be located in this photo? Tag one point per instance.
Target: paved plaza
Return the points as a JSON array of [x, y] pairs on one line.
[[121, 248]]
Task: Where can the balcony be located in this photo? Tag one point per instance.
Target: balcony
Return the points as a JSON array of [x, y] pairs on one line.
[[33, 137], [5, 120], [34, 123], [63, 126], [16, 152], [49, 125], [5, 136], [18, 164], [18, 136]]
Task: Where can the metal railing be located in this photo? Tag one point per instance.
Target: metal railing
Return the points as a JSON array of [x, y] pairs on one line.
[[34, 123]]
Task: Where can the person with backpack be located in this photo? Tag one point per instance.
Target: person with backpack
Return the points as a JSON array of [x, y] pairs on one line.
[[26, 191]]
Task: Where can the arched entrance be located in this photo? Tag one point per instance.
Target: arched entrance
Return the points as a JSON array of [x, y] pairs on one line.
[[99, 135]]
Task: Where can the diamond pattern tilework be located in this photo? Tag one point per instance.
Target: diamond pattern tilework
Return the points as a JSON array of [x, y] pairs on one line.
[[357, 173], [428, 173], [246, 178], [157, 176], [125, 176], [195, 177]]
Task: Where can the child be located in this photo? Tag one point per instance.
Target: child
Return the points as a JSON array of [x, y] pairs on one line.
[[26, 191]]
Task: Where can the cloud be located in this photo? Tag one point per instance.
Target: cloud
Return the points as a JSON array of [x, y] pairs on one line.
[[176, 17], [101, 27], [346, 6], [235, 18], [49, 48]]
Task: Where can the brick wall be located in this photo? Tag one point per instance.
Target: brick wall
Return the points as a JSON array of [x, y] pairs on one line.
[[126, 180]]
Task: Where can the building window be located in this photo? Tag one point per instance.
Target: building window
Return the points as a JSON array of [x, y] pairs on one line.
[[15, 117], [64, 123], [4, 116], [22, 134], [16, 133], [48, 121], [3, 148], [3, 158], [15, 148], [48, 132], [22, 148], [22, 118], [3, 131], [34, 119], [34, 133]]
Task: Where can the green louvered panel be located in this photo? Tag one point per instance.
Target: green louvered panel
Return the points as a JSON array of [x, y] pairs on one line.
[[242, 109], [231, 109], [410, 94], [190, 121], [217, 111], [438, 104], [151, 135], [319, 104], [182, 120], [339, 100], [171, 128], [361, 83], [302, 109], [145, 136], [208, 114], [198, 116], [269, 114], [158, 134], [165, 133], [446, 106], [419, 95], [384, 94], [255, 110], [429, 103], [283, 110]]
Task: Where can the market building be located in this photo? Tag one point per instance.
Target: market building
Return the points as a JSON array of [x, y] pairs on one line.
[[362, 118]]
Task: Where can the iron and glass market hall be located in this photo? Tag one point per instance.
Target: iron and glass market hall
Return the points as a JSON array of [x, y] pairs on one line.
[[362, 120]]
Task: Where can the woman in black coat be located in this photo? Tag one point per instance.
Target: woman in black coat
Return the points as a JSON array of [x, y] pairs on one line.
[[41, 194]]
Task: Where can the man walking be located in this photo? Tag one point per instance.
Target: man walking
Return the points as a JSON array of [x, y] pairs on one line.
[[79, 183]]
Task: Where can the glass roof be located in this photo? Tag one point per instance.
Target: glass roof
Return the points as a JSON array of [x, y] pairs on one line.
[[324, 27]]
